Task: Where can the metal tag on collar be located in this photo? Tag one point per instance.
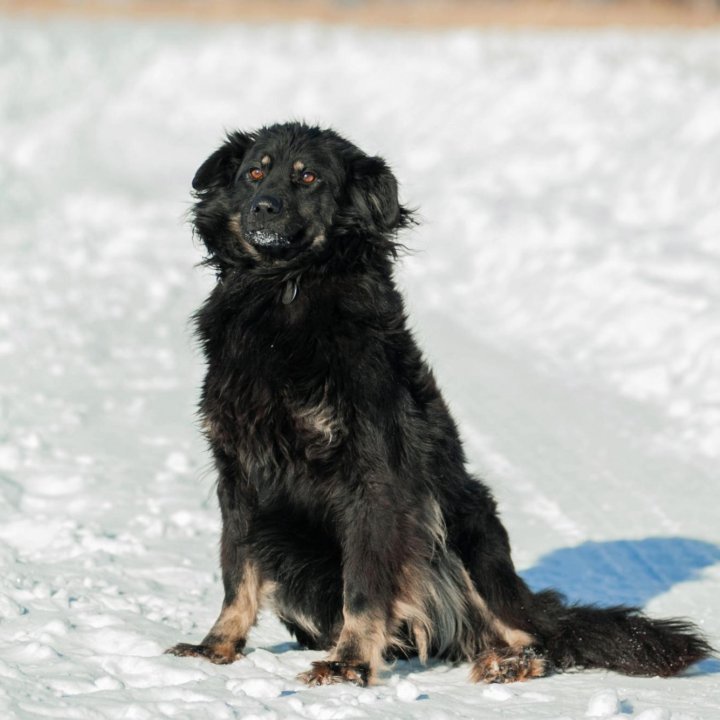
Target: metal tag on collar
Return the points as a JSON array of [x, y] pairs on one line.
[[290, 292]]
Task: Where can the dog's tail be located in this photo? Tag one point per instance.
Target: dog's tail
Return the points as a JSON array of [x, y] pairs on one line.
[[615, 638]]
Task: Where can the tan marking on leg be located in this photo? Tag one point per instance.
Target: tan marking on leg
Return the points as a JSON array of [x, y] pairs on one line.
[[509, 658], [235, 620], [327, 672], [411, 608], [358, 655], [362, 639], [224, 642], [507, 665], [513, 637]]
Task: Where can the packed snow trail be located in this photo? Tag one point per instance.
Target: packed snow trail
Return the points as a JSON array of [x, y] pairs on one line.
[[564, 284]]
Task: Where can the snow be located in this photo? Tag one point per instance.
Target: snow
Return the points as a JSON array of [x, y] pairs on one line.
[[407, 691], [564, 283], [603, 704]]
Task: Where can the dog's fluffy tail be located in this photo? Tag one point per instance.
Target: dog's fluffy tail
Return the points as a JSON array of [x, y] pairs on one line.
[[615, 638]]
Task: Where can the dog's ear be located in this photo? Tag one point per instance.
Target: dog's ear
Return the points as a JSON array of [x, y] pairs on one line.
[[220, 168], [373, 192]]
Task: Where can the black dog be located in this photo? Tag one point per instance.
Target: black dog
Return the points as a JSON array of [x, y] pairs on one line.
[[342, 481]]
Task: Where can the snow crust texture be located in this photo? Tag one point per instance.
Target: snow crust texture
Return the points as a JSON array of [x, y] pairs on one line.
[[565, 284]]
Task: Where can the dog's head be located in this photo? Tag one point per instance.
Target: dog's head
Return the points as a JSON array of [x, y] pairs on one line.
[[293, 193]]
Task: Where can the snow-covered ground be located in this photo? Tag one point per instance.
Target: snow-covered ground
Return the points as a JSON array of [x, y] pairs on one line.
[[565, 284]]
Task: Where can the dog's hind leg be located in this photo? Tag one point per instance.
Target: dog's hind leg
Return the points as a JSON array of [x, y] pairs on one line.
[[242, 581], [512, 651]]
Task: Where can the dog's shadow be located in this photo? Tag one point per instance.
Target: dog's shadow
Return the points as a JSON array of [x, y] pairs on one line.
[[622, 572]]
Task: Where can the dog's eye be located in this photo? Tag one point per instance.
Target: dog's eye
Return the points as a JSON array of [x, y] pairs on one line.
[[308, 177], [256, 174]]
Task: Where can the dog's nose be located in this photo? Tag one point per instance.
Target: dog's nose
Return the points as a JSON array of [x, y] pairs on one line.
[[266, 205]]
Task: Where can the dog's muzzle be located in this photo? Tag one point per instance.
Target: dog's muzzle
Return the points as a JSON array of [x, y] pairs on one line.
[[268, 238]]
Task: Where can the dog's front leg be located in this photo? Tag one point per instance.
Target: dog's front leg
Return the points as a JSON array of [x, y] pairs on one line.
[[242, 581], [373, 550]]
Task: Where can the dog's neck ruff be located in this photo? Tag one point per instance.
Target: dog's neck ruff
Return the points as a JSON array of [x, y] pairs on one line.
[[289, 291]]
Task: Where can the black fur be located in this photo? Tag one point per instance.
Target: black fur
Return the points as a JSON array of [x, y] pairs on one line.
[[342, 480]]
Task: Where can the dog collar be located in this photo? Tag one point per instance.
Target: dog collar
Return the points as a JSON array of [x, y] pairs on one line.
[[289, 292]]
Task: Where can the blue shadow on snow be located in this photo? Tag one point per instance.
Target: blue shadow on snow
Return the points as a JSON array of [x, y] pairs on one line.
[[627, 572]]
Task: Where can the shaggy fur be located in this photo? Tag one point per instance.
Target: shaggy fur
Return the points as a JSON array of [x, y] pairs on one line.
[[341, 476]]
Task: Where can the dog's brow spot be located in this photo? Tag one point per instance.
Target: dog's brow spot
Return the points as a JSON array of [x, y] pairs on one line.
[[298, 165], [265, 160]]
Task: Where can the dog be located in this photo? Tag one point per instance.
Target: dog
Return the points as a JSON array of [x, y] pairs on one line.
[[342, 480]]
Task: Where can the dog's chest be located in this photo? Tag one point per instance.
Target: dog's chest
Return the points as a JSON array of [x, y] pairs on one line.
[[281, 384], [274, 421], [318, 421]]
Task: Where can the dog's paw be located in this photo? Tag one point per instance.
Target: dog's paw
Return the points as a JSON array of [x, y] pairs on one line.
[[327, 672], [220, 653], [507, 665]]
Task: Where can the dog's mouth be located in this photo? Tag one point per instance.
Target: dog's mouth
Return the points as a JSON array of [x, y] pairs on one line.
[[279, 245], [269, 239]]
